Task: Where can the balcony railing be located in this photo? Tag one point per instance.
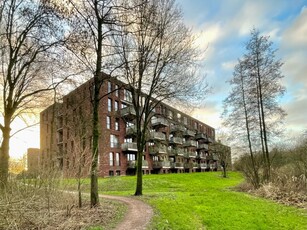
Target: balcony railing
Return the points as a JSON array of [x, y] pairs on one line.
[[203, 146], [203, 166], [212, 157], [200, 136], [157, 136], [176, 140], [159, 121], [189, 133], [177, 165], [177, 152], [128, 112], [132, 164], [161, 164], [195, 165], [160, 149], [201, 156], [131, 131], [177, 128], [129, 147], [192, 154], [190, 143]]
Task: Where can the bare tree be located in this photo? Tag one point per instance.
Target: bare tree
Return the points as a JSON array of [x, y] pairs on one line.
[[223, 154], [30, 39], [157, 54], [239, 115], [90, 22], [254, 100], [264, 70], [78, 159]]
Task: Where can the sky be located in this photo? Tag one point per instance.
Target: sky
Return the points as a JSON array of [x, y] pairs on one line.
[[222, 27]]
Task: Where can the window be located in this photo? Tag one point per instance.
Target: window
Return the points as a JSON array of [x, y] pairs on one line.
[[185, 120], [117, 124], [116, 105], [128, 140], [111, 173], [111, 160], [113, 141], [116, 91], [130, 157], [124, 105], [127, 95], [155, 158], [109, 104], [195, 125], [108, 122], [170, 114], [109, 87], [117, 163]]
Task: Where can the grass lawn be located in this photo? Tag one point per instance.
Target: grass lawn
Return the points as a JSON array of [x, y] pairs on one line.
[[205, 201]]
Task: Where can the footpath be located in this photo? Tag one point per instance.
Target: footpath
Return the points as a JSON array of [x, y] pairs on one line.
[[138, 215]]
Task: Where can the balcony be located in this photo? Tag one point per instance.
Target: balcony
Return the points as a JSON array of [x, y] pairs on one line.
[[177, 152], [159, 121], [187, 165], [131, 131], [203, 146], [210, 140], [195, 165], [212, 157], [157, 136], [189, 133], [177, 128], [161, 164], [190, 143], [157, 149], [201, 136], [176, 140], [177, 165], [192, 154], [128, 113], [203, 166], [201, 156], [129, 147], [132, 164]]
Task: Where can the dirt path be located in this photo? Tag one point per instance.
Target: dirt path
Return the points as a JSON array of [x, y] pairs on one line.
[[137, 216]]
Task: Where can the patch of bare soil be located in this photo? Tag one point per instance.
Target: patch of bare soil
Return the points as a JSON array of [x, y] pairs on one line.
[[138, 215]]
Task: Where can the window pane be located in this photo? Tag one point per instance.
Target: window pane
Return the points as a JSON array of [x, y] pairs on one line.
[[111, 159], [109, 104]]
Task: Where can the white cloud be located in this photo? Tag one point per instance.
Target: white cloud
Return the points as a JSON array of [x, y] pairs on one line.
[[295, 36], [229, 65]]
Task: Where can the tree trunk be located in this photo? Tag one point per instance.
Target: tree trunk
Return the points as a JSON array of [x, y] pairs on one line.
[[79, 193], [4, 156], [256, 176], [4, 150], [139, 175], [94, 179]]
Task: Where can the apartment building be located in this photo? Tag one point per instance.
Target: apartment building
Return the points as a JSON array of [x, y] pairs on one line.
[[33, 160], [176, 142]]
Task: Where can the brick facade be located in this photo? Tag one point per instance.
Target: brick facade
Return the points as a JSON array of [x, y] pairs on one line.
[[176, 141]]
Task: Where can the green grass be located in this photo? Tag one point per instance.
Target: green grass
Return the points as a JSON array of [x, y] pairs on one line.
[[205, 201]]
